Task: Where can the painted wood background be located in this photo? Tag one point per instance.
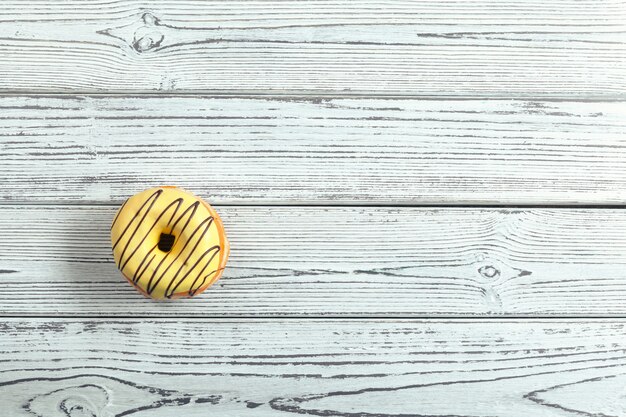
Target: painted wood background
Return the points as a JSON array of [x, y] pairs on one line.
[[487, 48], [426, 202], [314, 151], [331, 261], [320, 368]]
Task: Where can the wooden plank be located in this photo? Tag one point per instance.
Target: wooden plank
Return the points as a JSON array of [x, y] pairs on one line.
[[534, 48], [326, 368], [294, 150], [321, 261]]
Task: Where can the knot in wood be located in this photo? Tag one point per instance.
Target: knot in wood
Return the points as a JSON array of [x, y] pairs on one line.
[[489, 271], [148, 36], [75, 407], [84, 400]]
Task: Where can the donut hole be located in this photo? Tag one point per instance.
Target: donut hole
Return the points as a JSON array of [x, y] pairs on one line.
[[166, 241]]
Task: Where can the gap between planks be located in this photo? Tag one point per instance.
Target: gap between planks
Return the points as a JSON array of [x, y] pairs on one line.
[[347, 204], [323, 318], [299, 95]]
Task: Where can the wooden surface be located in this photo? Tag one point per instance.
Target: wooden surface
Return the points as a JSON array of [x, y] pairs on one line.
[[302, 151], [426, 203], [488, 48], [320, 368], [326, 261]]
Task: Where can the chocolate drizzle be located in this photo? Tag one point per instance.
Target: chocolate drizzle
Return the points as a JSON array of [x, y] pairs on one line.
[[182, 273], [179, 201]]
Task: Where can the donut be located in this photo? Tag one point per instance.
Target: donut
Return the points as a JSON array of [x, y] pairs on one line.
[[168, 243]]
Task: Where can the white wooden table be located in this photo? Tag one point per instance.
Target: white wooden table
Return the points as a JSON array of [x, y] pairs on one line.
[[426, 204]]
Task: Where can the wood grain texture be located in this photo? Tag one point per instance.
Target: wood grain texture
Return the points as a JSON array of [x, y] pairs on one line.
[[299, 151], [566, 48], [321, 368], [335, 262], [251, 104]]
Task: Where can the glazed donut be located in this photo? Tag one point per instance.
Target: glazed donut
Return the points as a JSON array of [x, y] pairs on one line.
[[168, 243]]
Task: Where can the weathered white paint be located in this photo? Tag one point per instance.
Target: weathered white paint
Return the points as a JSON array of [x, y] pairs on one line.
[[302, 151], [508, 368], [525, 48], [465, 141], [56, 260]]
